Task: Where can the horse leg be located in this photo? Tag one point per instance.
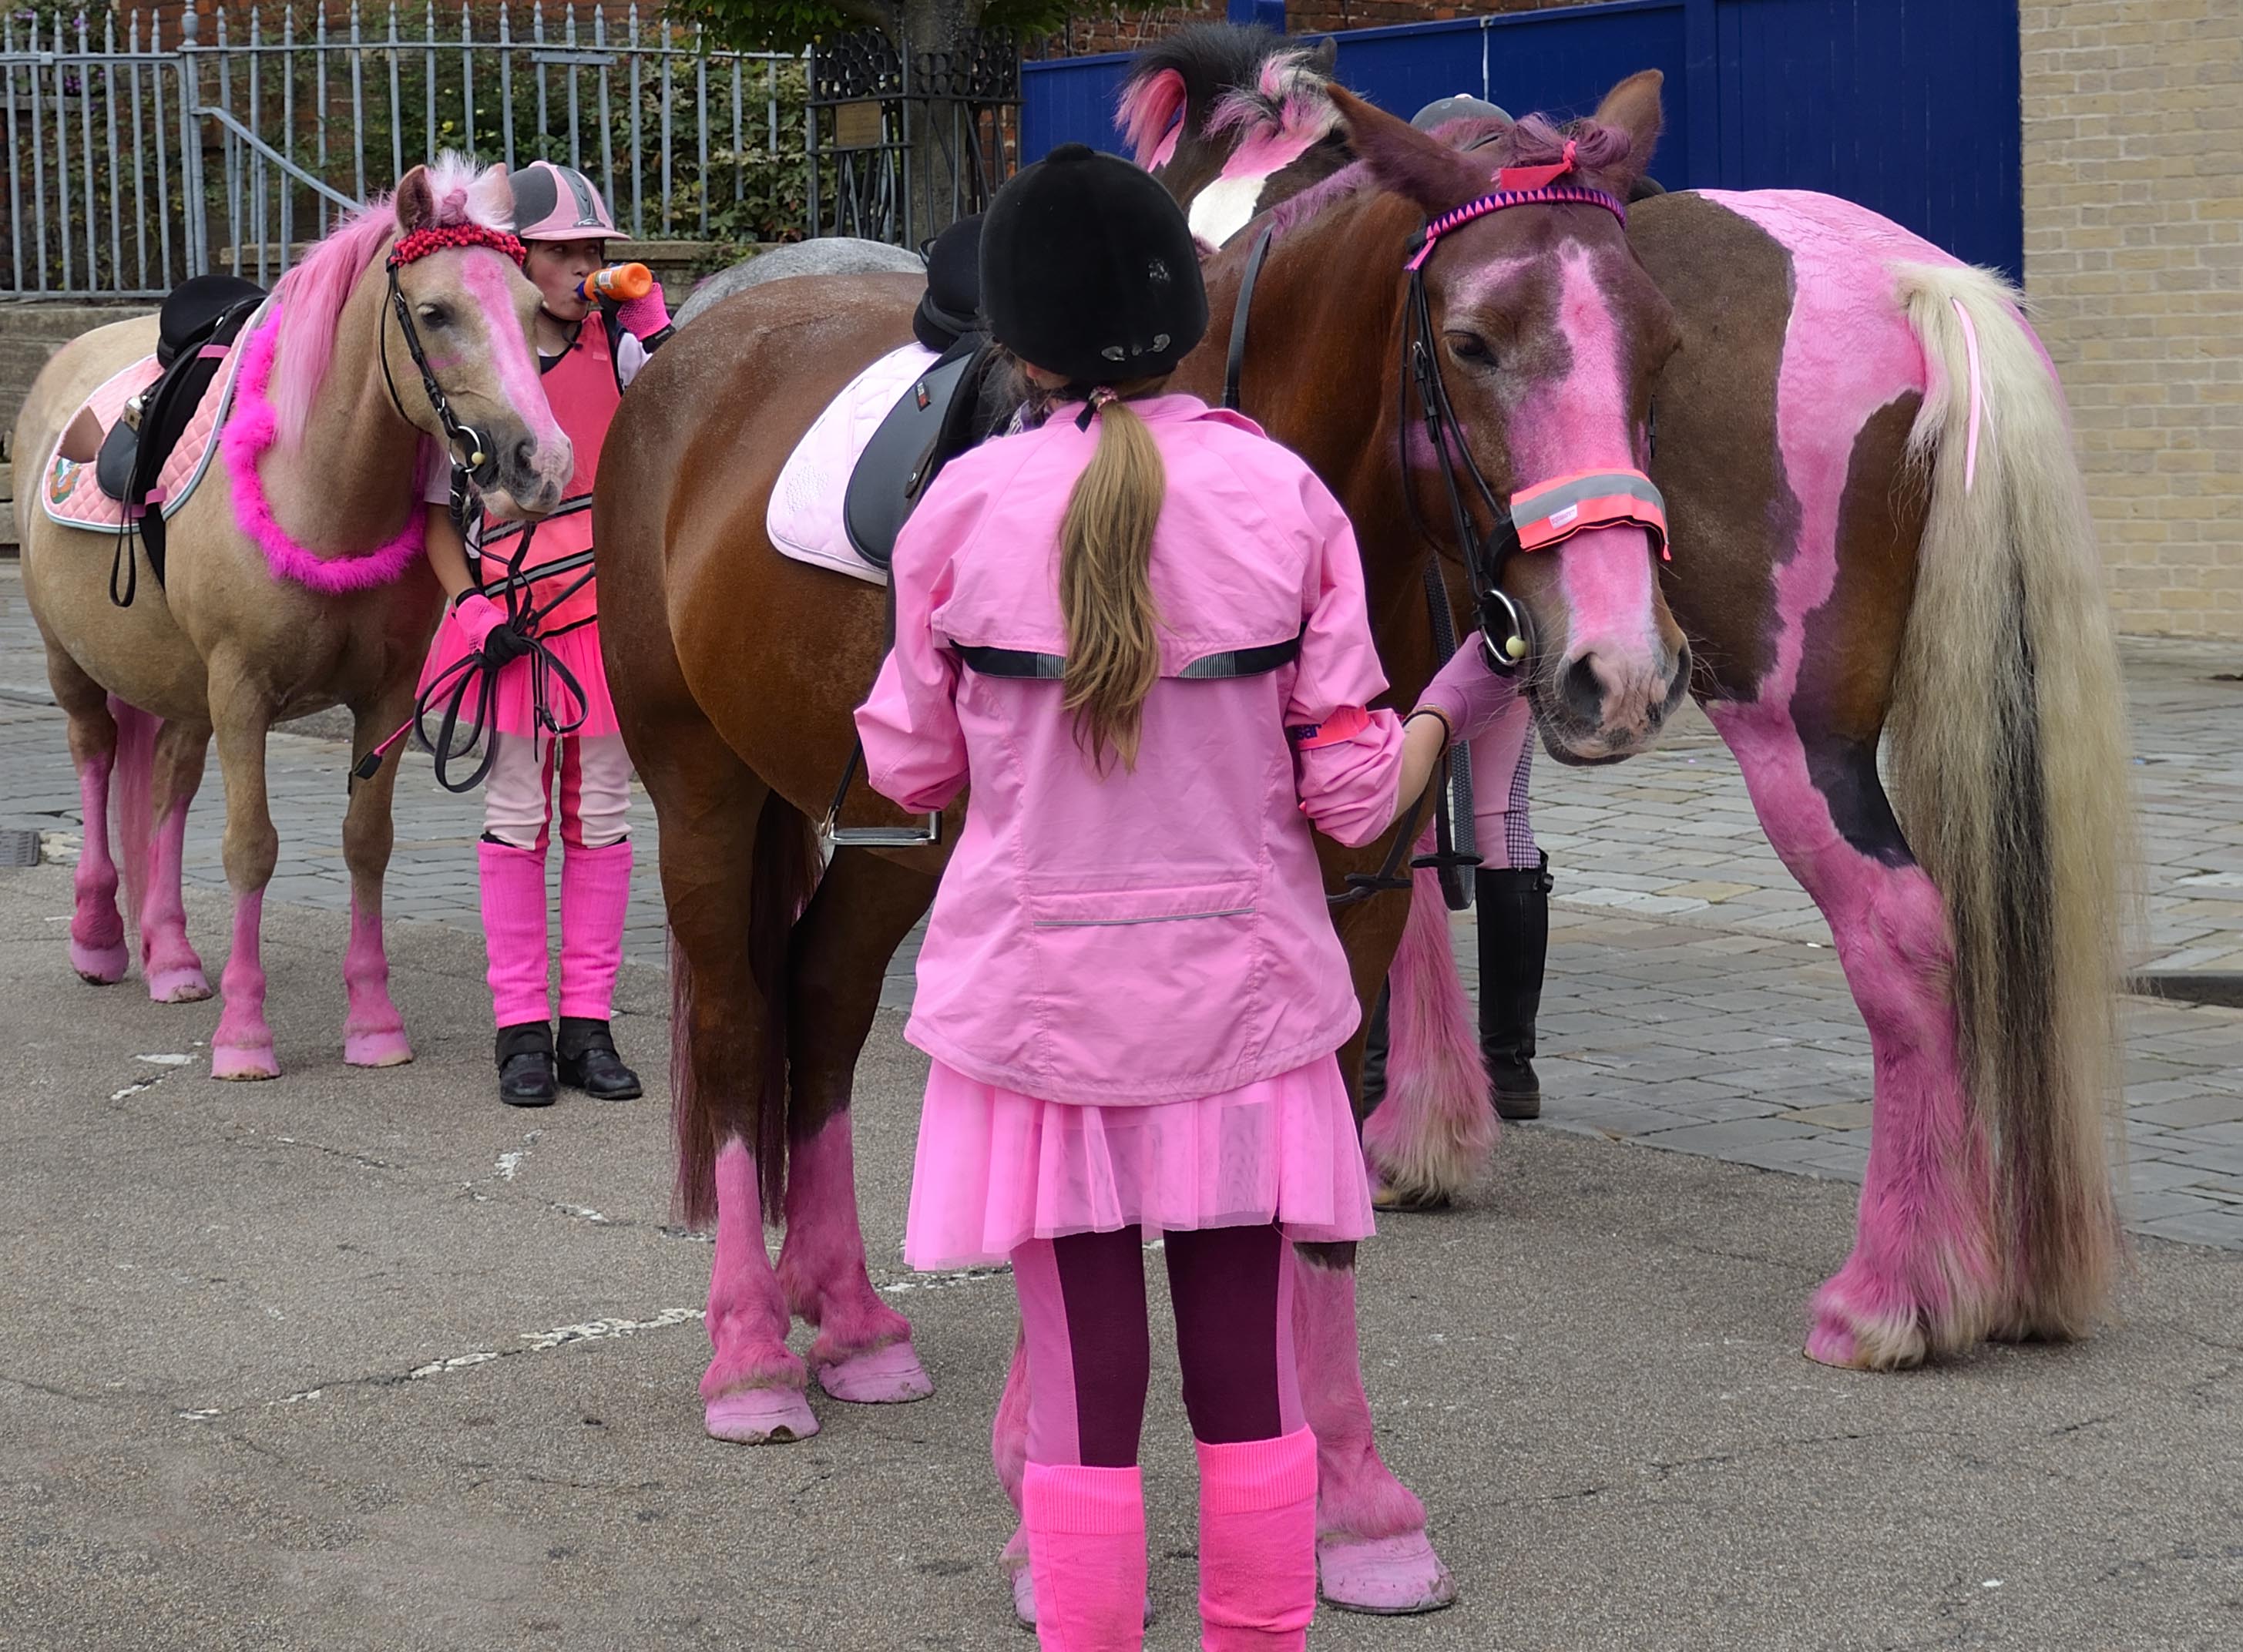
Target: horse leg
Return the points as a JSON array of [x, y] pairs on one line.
[[1923, 1278], [167, 958], [710, 807], [97, 951], [864, 907], [242, 1047], [1372, 1551], [374, 1033]]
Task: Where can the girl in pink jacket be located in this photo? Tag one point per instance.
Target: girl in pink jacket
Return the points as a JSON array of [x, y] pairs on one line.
[[1138, 632]]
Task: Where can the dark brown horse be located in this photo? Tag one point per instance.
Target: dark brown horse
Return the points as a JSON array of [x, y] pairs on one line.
[[735, 671], [1786, 429]]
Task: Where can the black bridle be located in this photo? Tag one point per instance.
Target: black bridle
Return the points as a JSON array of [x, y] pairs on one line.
[[470, 448]]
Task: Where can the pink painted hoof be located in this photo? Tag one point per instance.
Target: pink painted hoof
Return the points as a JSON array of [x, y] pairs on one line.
[[183, 985], [100, 966], [1863, 1325], [1386, 1576], [760, 1417], [391, 1048], [244, 1061], [889, 1376]]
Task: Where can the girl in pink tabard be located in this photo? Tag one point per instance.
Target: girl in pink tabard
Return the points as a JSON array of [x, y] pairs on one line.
[[1138, 633], [588, 350]]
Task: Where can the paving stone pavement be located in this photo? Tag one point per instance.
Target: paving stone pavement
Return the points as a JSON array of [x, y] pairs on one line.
[[1694, 1002]]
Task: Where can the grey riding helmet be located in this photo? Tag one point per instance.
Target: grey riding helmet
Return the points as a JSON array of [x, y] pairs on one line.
[[1462, 106]]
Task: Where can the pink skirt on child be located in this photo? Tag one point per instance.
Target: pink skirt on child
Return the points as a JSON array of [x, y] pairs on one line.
[[996, 1169], [578, 650]]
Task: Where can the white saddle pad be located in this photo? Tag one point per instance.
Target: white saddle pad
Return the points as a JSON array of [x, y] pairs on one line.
[[804, 519]]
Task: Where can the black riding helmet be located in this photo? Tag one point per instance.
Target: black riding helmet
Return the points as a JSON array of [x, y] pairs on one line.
[[1089, 269], [950, 305]]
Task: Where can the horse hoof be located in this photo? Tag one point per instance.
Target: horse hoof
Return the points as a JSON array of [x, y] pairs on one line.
[[377, 1049], [244, 1061], [100, 966], [1855, 1331], [1385, 1576], [1393, 1201], [760, 1417], [889, 1376], [184, 985]]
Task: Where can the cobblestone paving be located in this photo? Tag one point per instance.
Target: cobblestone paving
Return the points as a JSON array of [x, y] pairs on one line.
[[1694, 1002]]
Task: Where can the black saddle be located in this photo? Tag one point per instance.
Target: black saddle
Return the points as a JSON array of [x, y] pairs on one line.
[[958, 403], [196, 326]]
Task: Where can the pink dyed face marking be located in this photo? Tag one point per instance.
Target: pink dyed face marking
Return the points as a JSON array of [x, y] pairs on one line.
[[496, 388], [1550, 348]]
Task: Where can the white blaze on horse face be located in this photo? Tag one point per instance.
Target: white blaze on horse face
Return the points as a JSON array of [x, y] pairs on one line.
[[1578, 421], [1225, 206]]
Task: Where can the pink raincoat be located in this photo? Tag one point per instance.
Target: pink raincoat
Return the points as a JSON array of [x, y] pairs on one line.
[[1154, 940]]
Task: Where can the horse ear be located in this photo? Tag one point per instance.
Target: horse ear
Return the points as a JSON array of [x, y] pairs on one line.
[[1405, 160], [1325, 58], [1632, 107], [490, 198], [416, 202]]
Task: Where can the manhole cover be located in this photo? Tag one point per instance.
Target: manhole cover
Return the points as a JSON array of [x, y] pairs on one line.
[[19, 849]]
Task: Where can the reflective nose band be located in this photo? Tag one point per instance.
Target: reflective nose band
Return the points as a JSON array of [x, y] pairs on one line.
[[1553, 511]]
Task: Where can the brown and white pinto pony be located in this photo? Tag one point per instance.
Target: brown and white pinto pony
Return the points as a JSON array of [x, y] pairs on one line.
[[294, 582], [735, 671], [1881, 540]]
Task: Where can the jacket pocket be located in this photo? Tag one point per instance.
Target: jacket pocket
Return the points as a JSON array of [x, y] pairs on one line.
[[1168, 903]]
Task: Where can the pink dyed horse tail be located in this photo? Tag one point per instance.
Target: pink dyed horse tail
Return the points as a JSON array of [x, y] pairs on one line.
[[2009, 761], [1433, 1133], [133, 789]]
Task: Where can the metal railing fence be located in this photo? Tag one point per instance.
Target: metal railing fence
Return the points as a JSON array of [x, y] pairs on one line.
[[138, 155]]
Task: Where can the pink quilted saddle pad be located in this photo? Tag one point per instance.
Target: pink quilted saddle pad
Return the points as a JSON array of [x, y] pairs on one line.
[[68, 490]]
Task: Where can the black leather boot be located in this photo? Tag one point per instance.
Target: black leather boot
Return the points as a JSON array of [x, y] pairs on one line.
[[525, 1065], [589, 1062], [1514, 940]]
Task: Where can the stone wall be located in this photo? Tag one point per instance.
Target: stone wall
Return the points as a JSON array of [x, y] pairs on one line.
[[2133, 199]]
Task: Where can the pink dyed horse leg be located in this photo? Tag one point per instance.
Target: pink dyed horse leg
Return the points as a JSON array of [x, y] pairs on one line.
[[864, 1353], [1008, 1446], [97, 951], [242, 1047], [1372, 1551], [1923, 1278], [374, 1033], [752, 1391], [167, 958]]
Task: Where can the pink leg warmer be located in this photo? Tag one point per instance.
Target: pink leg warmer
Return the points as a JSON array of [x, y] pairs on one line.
[[513, 931], [1087, 1549], [595, 898], [1258, 1543]]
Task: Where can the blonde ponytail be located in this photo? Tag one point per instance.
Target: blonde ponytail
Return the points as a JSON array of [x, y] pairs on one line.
[[1106, 588]]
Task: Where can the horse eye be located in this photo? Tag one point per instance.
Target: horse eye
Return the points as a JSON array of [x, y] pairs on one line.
[[1469, 347], [436, 315]]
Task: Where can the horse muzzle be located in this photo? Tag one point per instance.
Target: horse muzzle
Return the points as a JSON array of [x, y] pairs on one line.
[[1600, 708], [530, 476]]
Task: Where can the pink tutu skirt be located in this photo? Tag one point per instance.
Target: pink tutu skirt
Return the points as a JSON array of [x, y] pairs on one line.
[[578, 650], [996, 1169]]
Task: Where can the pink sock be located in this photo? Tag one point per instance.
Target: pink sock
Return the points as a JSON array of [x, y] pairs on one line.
[[595, 900], [1087, 1549], [1258, 1543], [513, 932]]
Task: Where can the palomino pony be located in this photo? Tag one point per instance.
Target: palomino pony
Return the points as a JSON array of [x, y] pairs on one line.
[[735, 671], [294, 582], [1880, 532]]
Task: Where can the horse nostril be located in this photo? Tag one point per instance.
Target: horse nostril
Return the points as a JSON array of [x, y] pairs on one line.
[[1584, 696], [525, 455]]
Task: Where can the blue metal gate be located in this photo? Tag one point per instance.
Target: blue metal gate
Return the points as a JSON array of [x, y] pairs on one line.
[[1907, 106]]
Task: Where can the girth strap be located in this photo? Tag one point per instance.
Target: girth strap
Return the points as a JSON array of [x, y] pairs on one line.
[[1234, 662]]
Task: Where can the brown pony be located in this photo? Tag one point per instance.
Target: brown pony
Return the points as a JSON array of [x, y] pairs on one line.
[[294, 582], [735, 671]]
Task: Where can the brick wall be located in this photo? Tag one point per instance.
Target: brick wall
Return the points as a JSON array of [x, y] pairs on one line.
[[2133, 203]]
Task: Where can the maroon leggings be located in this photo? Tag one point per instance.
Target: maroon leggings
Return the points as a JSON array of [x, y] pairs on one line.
[[1082, 1301]]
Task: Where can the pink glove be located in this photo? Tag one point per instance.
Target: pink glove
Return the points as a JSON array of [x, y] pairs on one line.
[[645, 317], [477, 617], [1468, 692]]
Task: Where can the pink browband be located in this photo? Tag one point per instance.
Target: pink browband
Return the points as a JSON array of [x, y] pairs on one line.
[[1542, 194]]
